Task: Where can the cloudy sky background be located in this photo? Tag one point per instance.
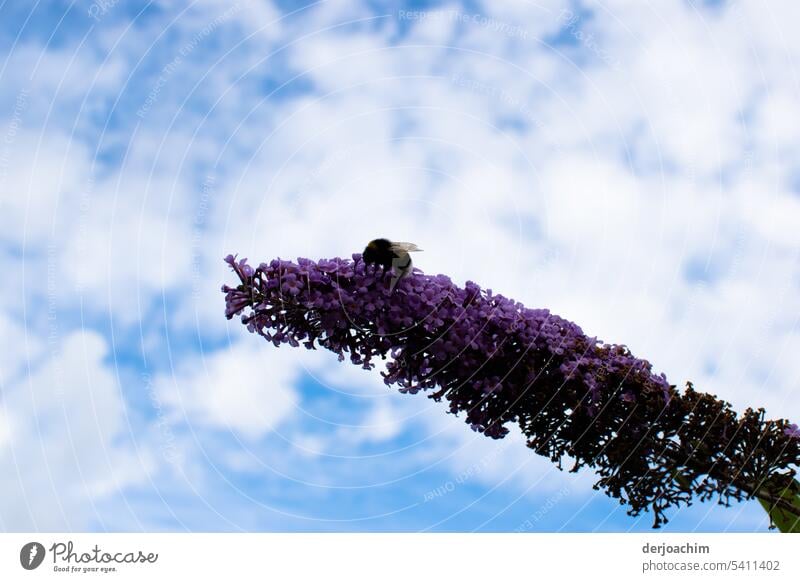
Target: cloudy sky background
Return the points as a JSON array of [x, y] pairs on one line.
[[630, 165]]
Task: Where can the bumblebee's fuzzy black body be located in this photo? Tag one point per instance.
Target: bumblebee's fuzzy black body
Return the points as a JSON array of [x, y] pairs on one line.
[[390, 255], [379, 252]]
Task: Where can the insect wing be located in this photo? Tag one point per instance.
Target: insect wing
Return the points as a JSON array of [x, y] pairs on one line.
[[405, 247]]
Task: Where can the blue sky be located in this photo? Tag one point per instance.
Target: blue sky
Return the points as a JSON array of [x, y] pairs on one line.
[[629, 165]]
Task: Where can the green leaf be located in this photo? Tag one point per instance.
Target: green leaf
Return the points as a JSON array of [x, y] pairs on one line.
[[786, 522]]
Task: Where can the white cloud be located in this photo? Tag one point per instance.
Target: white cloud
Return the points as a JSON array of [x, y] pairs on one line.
[[121, 252], [248, 388], [65, 448], [21, 348], [37, 192], [382, 422]]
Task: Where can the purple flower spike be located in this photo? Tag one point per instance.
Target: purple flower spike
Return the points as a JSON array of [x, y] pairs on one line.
[[499, 362]]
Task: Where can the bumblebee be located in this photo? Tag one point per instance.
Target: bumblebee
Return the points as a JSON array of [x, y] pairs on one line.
[[390, 255]]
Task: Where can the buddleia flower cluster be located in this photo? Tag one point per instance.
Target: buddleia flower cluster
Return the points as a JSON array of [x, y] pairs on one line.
[[498, 363]]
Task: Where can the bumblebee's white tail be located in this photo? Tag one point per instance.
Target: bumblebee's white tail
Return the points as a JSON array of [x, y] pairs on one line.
[[401, 267]]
